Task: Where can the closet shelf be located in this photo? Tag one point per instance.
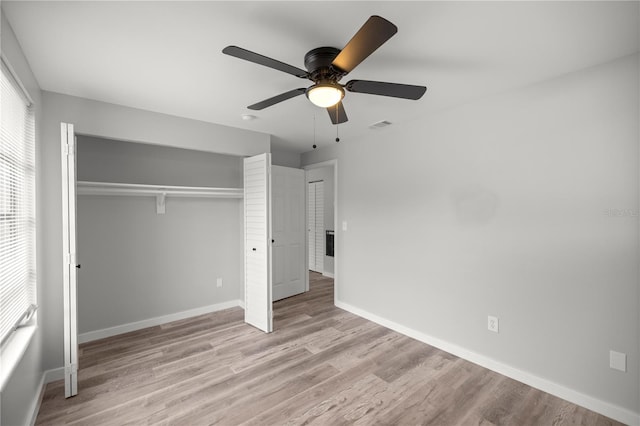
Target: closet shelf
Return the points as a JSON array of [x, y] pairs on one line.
[[108, 188]]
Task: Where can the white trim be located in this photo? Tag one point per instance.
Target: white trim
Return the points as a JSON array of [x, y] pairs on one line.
[[15, 77], [327, 274], [327, 163], [152, 322], [47, 377], [12, 352], [53, 375], [110, 188], [605, 408], [35, 405]]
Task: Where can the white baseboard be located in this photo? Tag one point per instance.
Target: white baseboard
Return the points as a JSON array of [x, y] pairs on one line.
[[152, 322], [53, 375], [610, 410], [47, 377], [328, 274]]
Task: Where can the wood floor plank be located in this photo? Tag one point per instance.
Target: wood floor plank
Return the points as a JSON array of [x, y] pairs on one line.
[[321, 365]]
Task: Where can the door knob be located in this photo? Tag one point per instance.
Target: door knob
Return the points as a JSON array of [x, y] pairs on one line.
[[78, 266], [254, 249]]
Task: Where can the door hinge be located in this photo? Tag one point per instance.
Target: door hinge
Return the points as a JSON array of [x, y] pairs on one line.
[[70, 149], [70, 146], [71, 369]]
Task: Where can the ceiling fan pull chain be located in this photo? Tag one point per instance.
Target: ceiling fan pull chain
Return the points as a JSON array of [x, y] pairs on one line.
[[314, 131]]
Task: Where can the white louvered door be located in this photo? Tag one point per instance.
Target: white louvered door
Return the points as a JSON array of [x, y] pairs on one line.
[[316, 226], [70, 273], [257, 259]]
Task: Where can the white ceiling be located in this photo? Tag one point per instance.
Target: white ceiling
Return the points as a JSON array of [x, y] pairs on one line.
[[166, 56]]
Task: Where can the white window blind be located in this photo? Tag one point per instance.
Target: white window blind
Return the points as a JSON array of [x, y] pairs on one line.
[[17, 200]]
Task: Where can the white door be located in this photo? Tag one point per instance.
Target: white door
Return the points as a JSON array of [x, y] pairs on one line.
[[287, 232], [316, 226], [69, 262], [257, 244]]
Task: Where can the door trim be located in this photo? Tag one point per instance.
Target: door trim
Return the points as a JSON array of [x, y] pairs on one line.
[[338, 227]]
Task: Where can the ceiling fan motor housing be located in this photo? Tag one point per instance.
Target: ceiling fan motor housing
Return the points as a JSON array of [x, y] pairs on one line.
[[318, 63]]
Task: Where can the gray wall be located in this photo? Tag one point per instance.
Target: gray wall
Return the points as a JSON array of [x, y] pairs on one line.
[[21, 392], [138, 265], [116, 122], [105, 160], [285, 159], [325, 174], [499, 207]]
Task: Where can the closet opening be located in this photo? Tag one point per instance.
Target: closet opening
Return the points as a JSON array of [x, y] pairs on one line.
[[159, 235]]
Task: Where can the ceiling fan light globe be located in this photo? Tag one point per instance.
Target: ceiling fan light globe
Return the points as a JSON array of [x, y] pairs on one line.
[[325, 95]]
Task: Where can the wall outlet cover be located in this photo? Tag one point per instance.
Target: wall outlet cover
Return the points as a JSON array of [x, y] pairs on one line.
[[618, 360], [219, 282], [493, 324]]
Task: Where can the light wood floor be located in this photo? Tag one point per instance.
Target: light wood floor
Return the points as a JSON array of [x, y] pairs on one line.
[[322, 365]]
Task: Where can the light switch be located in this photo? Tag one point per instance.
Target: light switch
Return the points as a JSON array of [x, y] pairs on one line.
[[344, 225]]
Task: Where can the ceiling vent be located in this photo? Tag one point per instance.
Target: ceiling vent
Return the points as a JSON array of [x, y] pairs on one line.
[[380, 124]]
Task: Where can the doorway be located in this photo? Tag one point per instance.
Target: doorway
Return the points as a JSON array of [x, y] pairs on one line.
[[322, 222], [315, 228]]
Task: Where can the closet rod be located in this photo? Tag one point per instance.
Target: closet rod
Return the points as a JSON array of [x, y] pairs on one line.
[[109, 188]]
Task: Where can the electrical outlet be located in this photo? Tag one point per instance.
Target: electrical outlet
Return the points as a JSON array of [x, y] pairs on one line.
[[219, 282], [493, 324], [344, 225], [618, 361]]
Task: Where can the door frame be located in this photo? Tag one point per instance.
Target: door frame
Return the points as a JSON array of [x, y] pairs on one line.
[[315, 227], [338, 226]]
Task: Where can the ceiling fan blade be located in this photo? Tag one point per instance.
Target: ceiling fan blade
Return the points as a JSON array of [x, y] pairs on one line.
[[256, 58], [277, 99], [373, 34], [405, 91], [337, 113]]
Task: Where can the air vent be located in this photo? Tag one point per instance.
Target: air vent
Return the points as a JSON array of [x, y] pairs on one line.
[[380, 124]]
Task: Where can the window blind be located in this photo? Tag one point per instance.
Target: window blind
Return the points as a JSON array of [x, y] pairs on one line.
[[17, 201]]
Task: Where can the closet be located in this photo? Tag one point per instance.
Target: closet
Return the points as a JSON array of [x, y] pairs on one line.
[[159, 234]]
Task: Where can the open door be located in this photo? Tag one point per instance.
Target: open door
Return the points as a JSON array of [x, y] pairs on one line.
[[69, 262], [257, 244], [315, 212], [289, 274]]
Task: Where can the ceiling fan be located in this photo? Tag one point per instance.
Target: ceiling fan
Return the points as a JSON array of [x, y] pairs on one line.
[[327, 65]]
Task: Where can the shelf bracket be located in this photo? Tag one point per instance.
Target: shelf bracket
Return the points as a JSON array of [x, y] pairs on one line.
[[161, 203]]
